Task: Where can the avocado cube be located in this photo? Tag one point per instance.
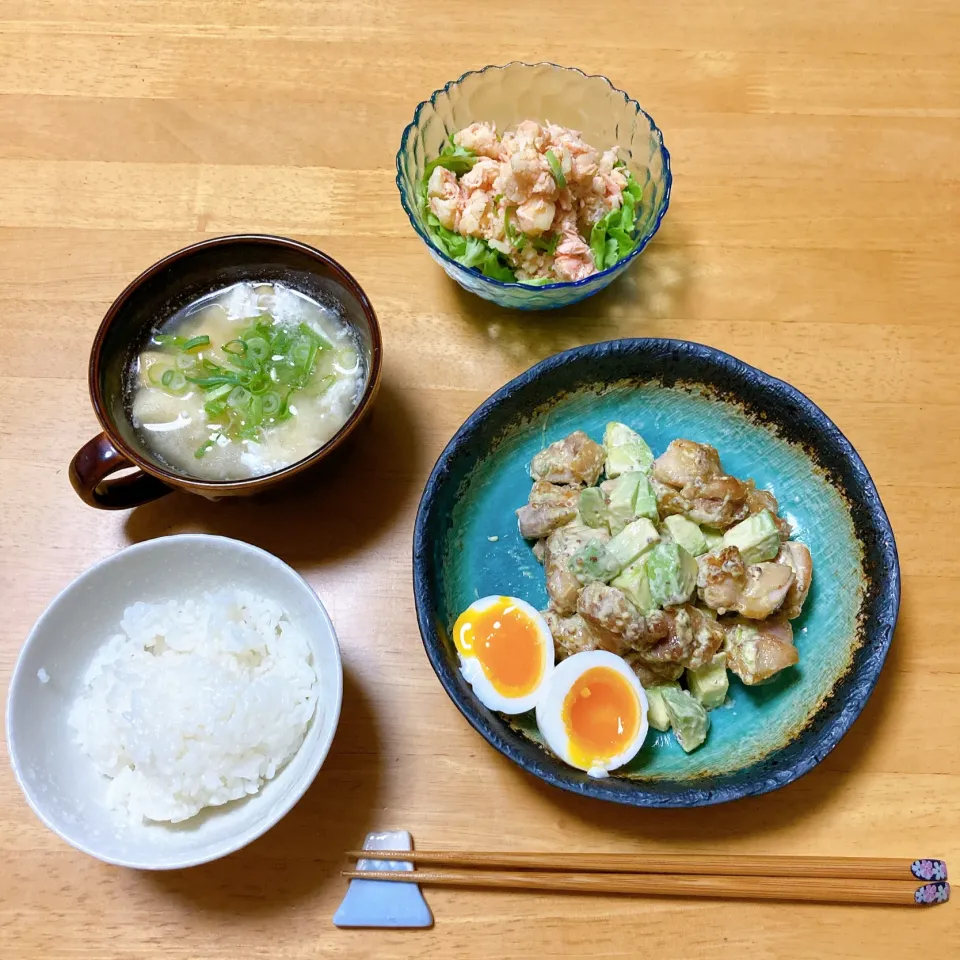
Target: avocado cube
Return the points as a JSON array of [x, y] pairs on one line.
[[621, 497], [626, 450], [672, 572], [594, 562], [593, 507], [657, 715], [687, 534], [645, 503], [632, 541], [635, 585], [709, 683], [757, 538], [687, 717], [714, 538]]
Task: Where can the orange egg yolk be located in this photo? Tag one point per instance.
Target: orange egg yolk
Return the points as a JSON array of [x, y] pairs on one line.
[[506, 643], [601, 714]]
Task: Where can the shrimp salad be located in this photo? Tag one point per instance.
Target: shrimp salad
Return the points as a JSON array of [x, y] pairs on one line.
[[536, 205], [670, 563]]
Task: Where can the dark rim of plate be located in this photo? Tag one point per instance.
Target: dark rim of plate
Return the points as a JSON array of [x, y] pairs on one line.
[[877, 618]]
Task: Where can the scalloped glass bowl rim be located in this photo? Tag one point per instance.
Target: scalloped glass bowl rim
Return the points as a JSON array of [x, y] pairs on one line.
[[501, 284]]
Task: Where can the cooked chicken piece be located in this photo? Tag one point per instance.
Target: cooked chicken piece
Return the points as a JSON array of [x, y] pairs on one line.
[[576, 459], [721, 578], [557, 494], [669, 500], [767, 587], [608, 608], [796, 556], [685, 462], [689, 480], [726, 583], [718, 503], [653, 674], [691, 640], [758, 500], [561, 545], [756, 651], [574, 635], [550, 506], [539, 550]]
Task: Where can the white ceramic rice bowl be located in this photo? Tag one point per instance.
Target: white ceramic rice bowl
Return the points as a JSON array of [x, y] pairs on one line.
[[61, 784]]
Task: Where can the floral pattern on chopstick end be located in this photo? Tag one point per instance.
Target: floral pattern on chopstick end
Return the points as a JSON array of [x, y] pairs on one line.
[[929, 869], [932, 893]]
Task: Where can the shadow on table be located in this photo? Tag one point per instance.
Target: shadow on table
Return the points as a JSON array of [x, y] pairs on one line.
[[319, 517], [753, 816], [655, 286], [305, 849]]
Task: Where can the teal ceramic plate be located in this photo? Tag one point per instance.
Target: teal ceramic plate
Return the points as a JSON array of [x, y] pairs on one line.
[[467, 546]]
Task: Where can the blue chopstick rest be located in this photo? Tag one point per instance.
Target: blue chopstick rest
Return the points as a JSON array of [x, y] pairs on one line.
[[379, 903]]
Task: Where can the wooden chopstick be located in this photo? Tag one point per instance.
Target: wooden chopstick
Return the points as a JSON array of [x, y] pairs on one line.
[[818, 889], [853, 868]]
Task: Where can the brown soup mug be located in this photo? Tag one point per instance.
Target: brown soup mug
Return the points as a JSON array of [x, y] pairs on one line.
[[158, 293]]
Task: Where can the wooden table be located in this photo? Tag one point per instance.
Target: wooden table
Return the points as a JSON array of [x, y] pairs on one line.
[[814, 232]]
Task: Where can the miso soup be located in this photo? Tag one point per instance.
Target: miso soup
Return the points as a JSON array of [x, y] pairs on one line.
[[245, 382]]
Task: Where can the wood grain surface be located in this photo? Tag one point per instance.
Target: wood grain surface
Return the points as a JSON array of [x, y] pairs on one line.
[[814, 232]]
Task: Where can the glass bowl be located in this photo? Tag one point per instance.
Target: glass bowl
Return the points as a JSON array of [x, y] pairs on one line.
[[537, 91]]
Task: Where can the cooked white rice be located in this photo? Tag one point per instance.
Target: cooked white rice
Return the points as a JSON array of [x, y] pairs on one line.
[[195, 703]]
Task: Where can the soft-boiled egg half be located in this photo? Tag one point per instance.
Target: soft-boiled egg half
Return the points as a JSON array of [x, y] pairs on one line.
[[593, 713], [506, 652]]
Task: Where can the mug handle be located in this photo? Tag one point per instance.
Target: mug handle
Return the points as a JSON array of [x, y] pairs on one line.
[[93, 464]]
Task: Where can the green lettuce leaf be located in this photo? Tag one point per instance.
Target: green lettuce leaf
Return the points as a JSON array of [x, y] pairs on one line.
[[615, 236]]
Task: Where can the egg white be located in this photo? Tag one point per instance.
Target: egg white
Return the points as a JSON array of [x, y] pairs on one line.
[[472, 670], [550, 708]]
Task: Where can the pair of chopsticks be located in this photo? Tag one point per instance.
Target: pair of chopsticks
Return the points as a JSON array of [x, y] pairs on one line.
[[857, 880]]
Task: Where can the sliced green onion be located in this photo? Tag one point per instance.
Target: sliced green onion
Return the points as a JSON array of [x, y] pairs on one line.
[[219, 392], [547, 245], [347, 358], [204, 383], [458, 160], [258, 348], [322, 342], [173, 380], [517, 239], [272, 402], [155, 373], [239, 398], [325, 383], [168, 340], [281, 342], [201, 451], [556, 169], [265, 364]]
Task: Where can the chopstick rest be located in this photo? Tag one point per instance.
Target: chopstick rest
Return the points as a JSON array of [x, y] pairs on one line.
[[379, 903]]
